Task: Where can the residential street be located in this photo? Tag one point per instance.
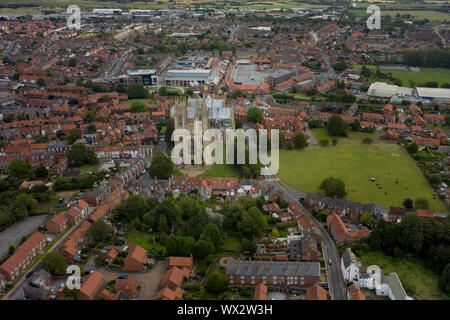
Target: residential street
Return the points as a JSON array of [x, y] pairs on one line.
[[335, 280]]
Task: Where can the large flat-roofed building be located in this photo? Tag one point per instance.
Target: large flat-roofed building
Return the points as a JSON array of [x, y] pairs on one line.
[[434, 94], [147, 77], [281, 273], [186, 78], [384, 90], [248, 78]]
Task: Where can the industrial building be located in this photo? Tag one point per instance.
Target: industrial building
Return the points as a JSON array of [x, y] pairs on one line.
[[433, 94], [384, 90]]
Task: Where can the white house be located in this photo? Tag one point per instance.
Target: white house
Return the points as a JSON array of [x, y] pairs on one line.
[[349, 266], [372, 277]]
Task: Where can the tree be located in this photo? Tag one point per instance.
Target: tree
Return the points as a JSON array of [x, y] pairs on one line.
[[138, 106], [254, 115], [19, 169], [162, 91], [41, 82], [11, 249], [300, 140], [324, 142], [203, 248], [22, 205], [137, 91], [79, 155], [217, 282], [99, 231], [444, 281], [411, 235], [54, 263], [212, 233], [91, 127], [421, 203], [236, 93], [336, 126], [252, 223], [334, 142], [367, 140], [366, 219], [41, 172], [275, 232], [180, 246], [412, 147], [447, 120], [333, 187], [238, 123], [74, 135], [408, 203], [161, 167], [355, 125], [134, 207]]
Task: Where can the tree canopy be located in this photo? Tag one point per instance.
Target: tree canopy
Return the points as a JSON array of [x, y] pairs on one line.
[[333, 187]]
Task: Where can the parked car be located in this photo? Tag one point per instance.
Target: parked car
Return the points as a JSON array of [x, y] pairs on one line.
[[124, 276], [330, 262]]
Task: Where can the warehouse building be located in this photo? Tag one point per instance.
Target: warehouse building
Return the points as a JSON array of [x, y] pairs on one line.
[[433, 94], [384, 90]]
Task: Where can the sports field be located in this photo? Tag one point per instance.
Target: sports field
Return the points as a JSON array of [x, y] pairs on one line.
[[440, 75], [396, 174]]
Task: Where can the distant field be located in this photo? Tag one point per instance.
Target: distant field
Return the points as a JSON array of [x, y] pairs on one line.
[[440, 75], [413, 275], [396, 173], [433, 16]]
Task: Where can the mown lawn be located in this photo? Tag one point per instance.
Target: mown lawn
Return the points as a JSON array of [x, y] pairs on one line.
[[231, 243], [221, 170], [396, 173], [145, 240], [414, 276]]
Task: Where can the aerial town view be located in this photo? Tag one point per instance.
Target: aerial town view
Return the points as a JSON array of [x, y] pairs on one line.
[[229, 150]]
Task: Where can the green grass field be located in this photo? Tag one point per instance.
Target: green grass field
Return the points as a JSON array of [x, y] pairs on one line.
[[440, 75], [414, 276], [231, 243], [144, 240], [221, 170], [396, 173]]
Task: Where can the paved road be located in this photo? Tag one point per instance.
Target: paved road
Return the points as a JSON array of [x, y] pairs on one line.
[[15, 233], [335, 278], [148, 280]]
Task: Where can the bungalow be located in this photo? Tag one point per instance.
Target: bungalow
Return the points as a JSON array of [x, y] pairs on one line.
[[372, 117], [396, 214]]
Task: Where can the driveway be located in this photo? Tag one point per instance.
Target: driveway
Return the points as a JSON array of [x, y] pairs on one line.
[[148, 280], [15, 233]]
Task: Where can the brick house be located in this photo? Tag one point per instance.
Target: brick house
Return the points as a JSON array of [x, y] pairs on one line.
[[23, 256], [284, 274], [57, 224], [91, 286], [340, 232], [136, 259]]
